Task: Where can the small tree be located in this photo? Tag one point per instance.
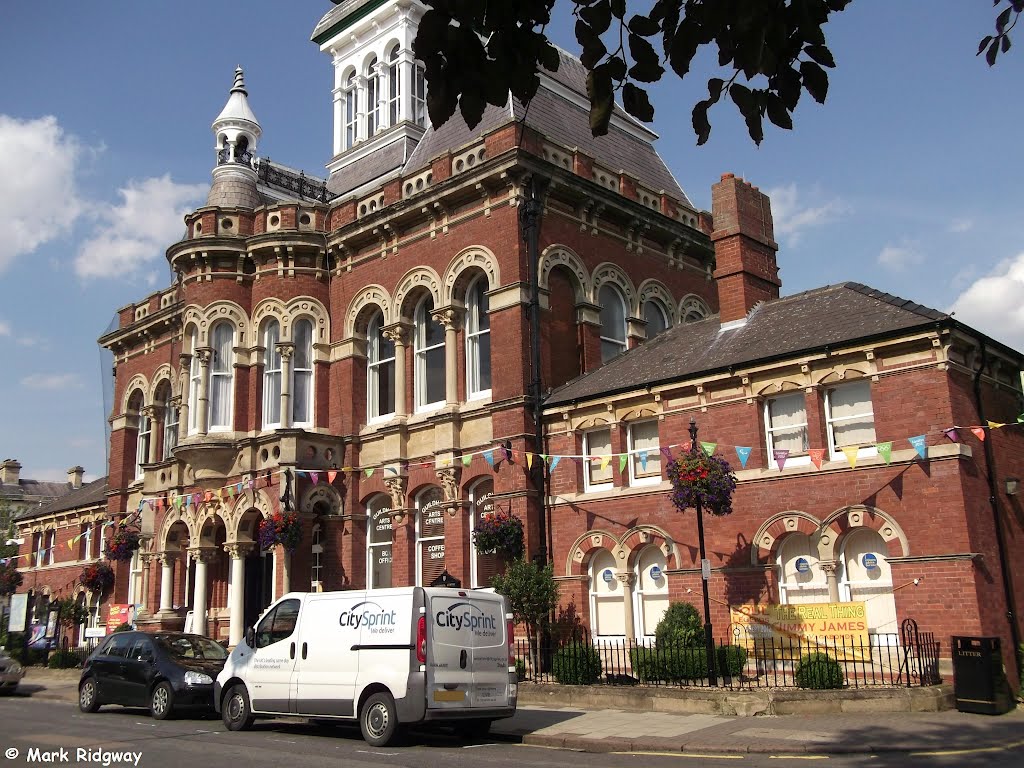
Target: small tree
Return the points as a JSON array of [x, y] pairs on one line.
[[532, 595], [70, 613], [10, 579]]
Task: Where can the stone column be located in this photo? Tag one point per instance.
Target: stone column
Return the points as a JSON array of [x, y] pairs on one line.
[[399, 334], [237, 551], [828, 567], [203, 421], [202, 557], [166, 560], [451, 319], [626, 580], [286, 568], [287, 350], [147, 560], [185, 364], [156, 431]]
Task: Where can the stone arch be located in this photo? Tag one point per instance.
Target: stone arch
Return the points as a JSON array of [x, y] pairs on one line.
[[163, 373], [691, 305], [463, 268], [589, 422], [207, 523], [768, 537], [655, 289], [203, 319], [367, 301], [249, 508], [639, 537], [840, 373], [173, 517], [137, 383], [306, 307], [416, 282], [365, 63], [321, 493], [561, 256], [777, 387], [615, 275], [267, 309], [589, 544], [849, 518]]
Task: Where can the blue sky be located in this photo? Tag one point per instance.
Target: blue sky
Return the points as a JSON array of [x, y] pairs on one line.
[[907, 179]]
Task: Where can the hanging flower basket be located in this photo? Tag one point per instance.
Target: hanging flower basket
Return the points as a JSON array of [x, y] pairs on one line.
[[281, 528], [701, 479], [97, 577], [10, 579], [122, 545], [501, 533]]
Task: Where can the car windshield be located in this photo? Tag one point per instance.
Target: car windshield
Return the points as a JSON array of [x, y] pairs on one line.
[[191, 647]]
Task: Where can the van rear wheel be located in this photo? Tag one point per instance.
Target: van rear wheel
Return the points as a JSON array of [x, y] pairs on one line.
[[378, 720]]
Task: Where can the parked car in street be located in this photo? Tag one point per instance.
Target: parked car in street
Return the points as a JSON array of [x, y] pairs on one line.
[[11, 673], [167, 672]]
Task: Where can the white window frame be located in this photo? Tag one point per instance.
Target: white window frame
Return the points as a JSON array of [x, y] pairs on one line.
[[596, 577], [635, 470], [172, 417], [135, 578], [394, 69], [420, 539], [372, 120], [143, 437], [316, 568], [836, 452], [87, 546], [371, 510], [621, 344], [51, 541], [421, 352], [220, 369], [195, 381], [477, 314], [658, 307], [40, 551], [272, 368], [351, 107], [374, 365], [475, 498], [303, 376], [419, 95], [794, 459], [588, 486]]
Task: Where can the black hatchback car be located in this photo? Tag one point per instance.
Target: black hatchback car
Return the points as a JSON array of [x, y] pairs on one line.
[[166, 672]]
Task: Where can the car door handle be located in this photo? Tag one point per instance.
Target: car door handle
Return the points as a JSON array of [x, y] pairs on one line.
[[304, 650], [292, 651]]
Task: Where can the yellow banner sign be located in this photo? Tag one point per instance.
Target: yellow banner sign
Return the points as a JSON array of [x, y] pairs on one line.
[[840, 629]]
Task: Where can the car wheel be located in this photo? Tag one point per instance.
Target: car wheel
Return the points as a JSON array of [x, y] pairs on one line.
[[88, 696], [161, 702], [378, 720], [235, 711]]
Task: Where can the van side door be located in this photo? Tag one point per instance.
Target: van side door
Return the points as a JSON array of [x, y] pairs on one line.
[[273, 659], [327, 664]]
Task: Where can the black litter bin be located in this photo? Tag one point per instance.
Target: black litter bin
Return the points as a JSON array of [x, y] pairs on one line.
[[979, 681]]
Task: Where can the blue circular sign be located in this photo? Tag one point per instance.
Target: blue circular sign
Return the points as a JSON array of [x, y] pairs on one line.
[[607, 575], [655, 572], [869, 561], [802, 566]]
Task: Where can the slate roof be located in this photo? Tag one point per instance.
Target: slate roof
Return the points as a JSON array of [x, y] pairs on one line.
[[32, 489], [823, 317], [336, 14], [373, 166], [89, 495]]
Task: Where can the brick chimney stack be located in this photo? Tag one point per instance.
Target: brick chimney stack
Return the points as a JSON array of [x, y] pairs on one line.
[[744, 240], [75, 477], [10, 472]]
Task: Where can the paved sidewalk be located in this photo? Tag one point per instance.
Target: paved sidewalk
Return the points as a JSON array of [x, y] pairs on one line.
[[609, 730]]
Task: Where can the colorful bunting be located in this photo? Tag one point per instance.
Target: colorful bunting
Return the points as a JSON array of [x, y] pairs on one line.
[[369, 471], [781, 454], [743, 453], [605, 461], [850, 452], [995, 425], [666, 452], [331, 474], [554, 462], [489, 457], [529, 461], [919, 445], [315, 477], [817, 456], [623, 460], [643, 460], [467, 459], [885, 451], [979, 432], [709, 448], [952, 434]]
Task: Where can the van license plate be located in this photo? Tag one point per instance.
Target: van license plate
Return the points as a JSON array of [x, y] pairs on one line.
[[449, 695]]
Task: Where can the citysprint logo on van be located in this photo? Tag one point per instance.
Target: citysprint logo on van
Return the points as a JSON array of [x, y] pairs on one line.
[[466, 616], [370, 616]]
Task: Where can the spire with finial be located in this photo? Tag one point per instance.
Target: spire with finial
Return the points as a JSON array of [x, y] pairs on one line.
[[237, 131], [239, 86]]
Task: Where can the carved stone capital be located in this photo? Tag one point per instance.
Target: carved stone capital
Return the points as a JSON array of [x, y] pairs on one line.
[[286, 349], [239, 550], [399, 334], [449, 317], [828, 566], [626, 579], [167, 558], [396, 489], [204, 355], [203, 554]]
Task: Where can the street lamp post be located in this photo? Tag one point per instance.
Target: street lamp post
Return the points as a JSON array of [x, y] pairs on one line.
[[705, 572]]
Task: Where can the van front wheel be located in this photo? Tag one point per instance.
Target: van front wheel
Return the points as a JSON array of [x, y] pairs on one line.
[[379, 720], [235, 710]]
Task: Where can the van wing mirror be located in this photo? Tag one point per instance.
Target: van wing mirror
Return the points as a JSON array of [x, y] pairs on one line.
[[250, 637]]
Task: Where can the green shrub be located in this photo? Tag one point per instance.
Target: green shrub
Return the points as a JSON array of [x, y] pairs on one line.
[[819, 671], [680, 663], [576, 664], [63, 659], [32, 657], [647, 666], [520, 670], [732, 659], [680, 626]]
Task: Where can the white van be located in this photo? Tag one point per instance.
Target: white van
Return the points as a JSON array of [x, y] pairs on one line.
[[386, 657]]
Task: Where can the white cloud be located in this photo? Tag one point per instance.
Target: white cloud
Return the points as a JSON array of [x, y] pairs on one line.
[[38, 197], [793, 216], [900, 256], [51, 381], [5, 329], [131, 236], [962, 224], [993, 305]]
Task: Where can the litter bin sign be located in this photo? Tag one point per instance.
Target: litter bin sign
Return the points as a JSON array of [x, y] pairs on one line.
[[979, 682]]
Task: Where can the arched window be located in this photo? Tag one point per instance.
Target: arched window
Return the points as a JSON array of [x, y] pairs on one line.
[[429, 536], [351, 111], [656, 317], [607, 607], [478, 340], [650, 597], [143, 437], [481, 503], [394, 86], [165, 401], [272, 375], [613, 322], [801, 579], [693, 310], [221, 376], [419, 95], [379, 541], [316, 569], [380, 370], [302, 373], [429, 350], [195, 373], [372, 98]]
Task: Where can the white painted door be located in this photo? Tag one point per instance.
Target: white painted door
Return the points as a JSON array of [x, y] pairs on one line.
[[867, 578], [650, 596]]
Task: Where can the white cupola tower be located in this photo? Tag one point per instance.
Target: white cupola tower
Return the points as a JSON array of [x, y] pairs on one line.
[[237, 131]]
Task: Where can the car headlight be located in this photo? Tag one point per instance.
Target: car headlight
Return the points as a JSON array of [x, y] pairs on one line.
[[197, 678]]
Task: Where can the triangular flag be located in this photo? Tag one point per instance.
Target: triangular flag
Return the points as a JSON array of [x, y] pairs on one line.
[[231, 491], [238, 488], [743, 453], [554, 462], [330, 476], [919, 445], [529, 460], [979, 432], [643, 460], [952, 434], [299, 472], [851, 455], [507, 452], [220, 494], [489, 457], [71, 543], [315, 476], [605, 461], [817, 456], [543, 457], [995, 425], [392, 470], [885, 450], [159, 505], [781, 454], [369, 471], [208, 497], [667, 452], [709, 448], [196, 499], [467, 459], [623, 461], [251, 484]]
